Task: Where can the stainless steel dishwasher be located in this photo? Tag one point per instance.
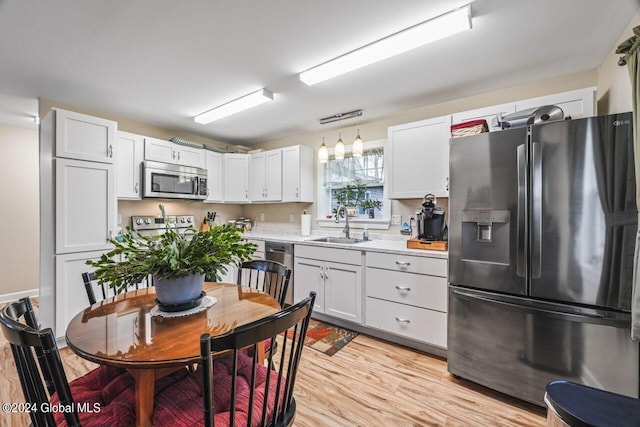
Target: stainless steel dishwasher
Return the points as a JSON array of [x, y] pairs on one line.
[[282, 253]]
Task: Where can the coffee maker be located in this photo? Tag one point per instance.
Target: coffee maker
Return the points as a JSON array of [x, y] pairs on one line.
[[432, 225]]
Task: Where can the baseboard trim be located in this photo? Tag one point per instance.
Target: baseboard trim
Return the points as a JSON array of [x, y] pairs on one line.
[[17, 295]]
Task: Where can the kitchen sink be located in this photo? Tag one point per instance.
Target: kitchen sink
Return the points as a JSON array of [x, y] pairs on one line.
[[342, 240]]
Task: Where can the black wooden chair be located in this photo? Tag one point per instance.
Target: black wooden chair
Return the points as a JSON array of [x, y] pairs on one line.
[[237, 389], [267, 276], [44, 382], [90, 281]]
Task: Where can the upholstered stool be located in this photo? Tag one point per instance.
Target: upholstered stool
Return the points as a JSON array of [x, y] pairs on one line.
[[571, 404]]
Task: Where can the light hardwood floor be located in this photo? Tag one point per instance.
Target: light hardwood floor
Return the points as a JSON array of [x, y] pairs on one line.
[[368, 383]]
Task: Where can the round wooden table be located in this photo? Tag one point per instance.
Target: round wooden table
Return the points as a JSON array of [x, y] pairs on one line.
[[120, 332]]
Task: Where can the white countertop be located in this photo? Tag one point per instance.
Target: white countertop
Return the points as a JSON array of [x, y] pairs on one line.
[[376, 244]]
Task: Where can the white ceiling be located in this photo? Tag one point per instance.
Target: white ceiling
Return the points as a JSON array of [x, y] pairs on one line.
[[163, 61]]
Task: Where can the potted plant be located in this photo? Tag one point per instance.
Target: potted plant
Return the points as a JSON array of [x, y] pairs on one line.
[[178, 262], [371, 205], [350, 196]]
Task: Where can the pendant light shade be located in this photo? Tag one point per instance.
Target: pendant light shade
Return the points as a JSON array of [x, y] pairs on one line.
[[358, 146], [338, 151], [323, 153]]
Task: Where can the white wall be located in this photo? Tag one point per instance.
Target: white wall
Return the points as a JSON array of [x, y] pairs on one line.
[[19, 215]]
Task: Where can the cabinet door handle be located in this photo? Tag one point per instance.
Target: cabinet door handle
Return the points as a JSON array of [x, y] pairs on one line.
[[403, 263], [109, 236], [326, 276], [403, 288], [246, 194], [110, 151], [178, 155], [137, 188], [401, 320], [297, 192], [447, 183]]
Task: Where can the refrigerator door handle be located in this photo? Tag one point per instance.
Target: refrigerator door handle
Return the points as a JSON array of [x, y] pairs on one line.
[[594, 318], [536, 213], [521, 228]]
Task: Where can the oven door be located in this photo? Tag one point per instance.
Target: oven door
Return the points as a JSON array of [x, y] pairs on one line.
[[173, 182]]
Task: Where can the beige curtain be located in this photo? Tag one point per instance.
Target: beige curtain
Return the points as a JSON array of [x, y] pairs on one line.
[[632, 59]]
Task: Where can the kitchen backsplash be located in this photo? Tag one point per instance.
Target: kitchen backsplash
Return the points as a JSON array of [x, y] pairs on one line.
[[267, 216]]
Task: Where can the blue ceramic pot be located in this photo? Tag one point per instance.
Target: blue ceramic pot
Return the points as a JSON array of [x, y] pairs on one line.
[[179, 290]]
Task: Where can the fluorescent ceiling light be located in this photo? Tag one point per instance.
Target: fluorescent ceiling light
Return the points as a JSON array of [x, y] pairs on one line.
[[235, 106], [437, 28]]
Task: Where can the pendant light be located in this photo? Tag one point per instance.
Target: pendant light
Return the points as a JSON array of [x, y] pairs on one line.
[[357, 149], [338, 151], [323, 153]]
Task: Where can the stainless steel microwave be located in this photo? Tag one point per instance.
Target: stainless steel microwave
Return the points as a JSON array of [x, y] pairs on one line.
[[167, 181]]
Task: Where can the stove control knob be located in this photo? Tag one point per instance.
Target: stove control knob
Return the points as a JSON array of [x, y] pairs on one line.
[[147, 221], [139, 221], [182, 220], [189, 220]]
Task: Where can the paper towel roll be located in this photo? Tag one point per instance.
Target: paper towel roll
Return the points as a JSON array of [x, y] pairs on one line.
[[305, 227]]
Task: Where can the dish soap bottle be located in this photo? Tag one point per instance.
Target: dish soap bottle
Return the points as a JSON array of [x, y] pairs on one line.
[[365, 234]]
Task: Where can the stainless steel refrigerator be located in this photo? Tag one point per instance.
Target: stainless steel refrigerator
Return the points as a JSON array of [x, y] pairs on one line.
[[541, 239]]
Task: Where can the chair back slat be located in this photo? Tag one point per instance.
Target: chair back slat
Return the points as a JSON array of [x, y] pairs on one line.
[[91, 281], [275, 378], [41, 375], [270, 277]]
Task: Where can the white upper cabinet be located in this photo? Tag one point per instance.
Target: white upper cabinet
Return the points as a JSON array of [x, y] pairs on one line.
[[419, 158], [297, 174], [265, 177], [79, 136], [189, 156], [575, 104], [214, 176], [490, 114], [159, 150], [129, 156], [85, 205], [236, 177]]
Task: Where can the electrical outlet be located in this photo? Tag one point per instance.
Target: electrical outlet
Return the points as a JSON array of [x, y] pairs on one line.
[[261, 216], [396, 219], [290, 217]]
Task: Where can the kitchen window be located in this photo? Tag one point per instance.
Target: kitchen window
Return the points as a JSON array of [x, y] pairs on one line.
[[367, 170]]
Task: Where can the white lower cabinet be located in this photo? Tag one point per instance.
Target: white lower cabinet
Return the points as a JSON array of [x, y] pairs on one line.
[[308, 278], [260, 249], [336, 277], [70, 295], [407, 296]]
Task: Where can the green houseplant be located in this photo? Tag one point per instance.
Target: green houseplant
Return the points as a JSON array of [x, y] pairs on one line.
[[352, 196], [173, 259], [371, 205]]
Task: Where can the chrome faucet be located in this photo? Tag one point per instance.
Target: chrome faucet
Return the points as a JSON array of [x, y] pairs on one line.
[[346, 220]]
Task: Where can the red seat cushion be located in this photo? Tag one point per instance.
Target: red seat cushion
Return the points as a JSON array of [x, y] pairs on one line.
[[182, 405], [106, 397], [107, 391]]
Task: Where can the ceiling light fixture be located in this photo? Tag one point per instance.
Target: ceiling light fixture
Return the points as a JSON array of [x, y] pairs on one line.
[[341, 116], [428, 31], [357, 149], [323, 153], [235, 106], [338, 150]]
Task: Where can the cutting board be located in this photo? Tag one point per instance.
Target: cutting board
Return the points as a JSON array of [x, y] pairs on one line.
[[436, 245]]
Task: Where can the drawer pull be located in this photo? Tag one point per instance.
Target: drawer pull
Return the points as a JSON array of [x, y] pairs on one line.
[[403, 288], [401, 320], [403, 263]]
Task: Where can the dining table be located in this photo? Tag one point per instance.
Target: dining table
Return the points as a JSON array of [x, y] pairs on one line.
[[125, 331]]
